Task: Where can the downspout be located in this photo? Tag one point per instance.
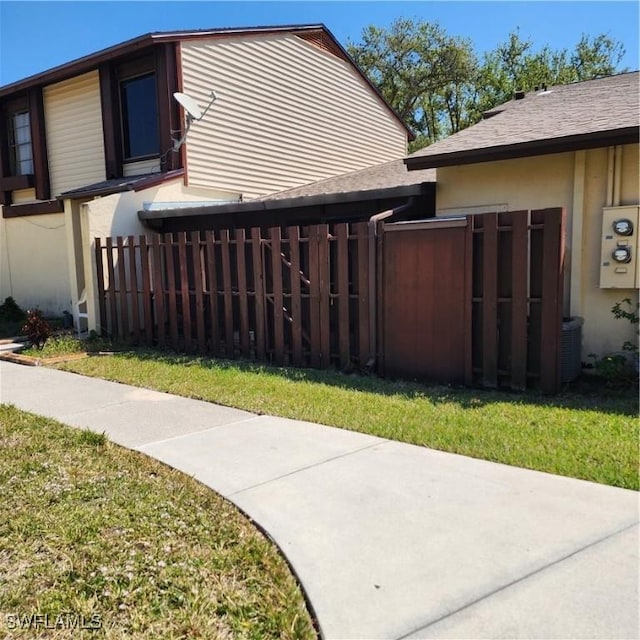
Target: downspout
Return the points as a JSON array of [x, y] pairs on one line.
[[373, 235]]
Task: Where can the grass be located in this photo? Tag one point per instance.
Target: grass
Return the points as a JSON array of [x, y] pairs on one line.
[[593, 436], [94, 530]]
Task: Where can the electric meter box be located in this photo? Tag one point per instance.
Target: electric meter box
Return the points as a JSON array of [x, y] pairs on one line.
[[619, 264]]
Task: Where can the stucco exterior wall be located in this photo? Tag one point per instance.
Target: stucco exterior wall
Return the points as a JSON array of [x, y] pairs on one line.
[[33, 263], [579, 182], [287, 113]]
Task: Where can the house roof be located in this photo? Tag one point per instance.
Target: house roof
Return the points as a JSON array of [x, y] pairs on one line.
[[581, 115], [317, 33], [118, 185], [380, 182]]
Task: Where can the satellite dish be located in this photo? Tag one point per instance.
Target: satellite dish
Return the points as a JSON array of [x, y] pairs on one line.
[[189, 105], [193, 114]]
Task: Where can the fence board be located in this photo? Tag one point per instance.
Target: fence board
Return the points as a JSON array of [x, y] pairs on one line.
[[198, 291], [172, 310], [101, 292], [552, 286], [184, 291], [519, 294], [258, 285], [133, 283], [324, 301], [113, 303], [159, 300], [296, 297], [278, 299], [343, 294], [362, 248], [122, 288], [242, 292], [468, 303], [147, 314], [212, 287], [490, 301], [314, 297], [227, 292]]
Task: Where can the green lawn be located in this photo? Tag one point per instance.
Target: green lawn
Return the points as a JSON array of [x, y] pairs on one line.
[[94, 530], [593, 436]]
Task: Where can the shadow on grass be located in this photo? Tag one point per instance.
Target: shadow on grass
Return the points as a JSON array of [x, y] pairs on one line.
[[588, 393]]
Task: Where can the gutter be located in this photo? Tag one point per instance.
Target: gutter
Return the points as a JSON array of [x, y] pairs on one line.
[[373, 236]]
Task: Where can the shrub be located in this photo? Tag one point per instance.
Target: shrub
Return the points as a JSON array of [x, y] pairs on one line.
[[36, 328], [10, 311]]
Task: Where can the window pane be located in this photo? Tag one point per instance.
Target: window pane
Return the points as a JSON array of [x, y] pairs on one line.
[[140, 117], [20, 152]]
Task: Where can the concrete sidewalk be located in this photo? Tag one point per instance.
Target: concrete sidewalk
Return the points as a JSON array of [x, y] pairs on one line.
[[389, 540]]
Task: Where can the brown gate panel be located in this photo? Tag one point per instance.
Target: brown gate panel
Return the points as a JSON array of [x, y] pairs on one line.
[[425, 279]]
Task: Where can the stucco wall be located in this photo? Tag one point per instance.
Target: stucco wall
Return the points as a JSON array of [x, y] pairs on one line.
[[33, 263], [577, 181]]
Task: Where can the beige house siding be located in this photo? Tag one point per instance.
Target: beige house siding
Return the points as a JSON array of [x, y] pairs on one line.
[[287, 113], [33, 263], [579, 182], [74, 133]]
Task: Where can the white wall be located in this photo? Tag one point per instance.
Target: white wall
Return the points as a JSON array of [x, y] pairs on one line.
[[287, 113]]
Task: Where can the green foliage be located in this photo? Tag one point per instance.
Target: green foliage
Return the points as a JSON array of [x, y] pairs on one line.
[[439, 85], [11, 312], [629, 313], [36, 328]]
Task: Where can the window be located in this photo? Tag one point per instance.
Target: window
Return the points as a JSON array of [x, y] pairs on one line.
[[20, 151], [139, 109]]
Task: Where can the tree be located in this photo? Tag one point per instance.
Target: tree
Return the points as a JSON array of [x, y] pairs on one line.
[[438, 85]]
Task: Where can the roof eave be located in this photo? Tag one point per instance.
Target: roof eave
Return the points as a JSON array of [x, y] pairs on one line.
[[596, 139], [290, 203]]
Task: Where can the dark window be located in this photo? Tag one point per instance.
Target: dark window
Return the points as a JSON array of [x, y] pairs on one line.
[[139, 117], [20, 151]]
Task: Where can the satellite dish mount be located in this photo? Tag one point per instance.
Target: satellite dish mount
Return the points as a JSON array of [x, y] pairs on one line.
[[193, 112]]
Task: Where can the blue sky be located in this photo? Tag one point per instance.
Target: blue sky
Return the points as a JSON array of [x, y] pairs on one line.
[[58, 32]]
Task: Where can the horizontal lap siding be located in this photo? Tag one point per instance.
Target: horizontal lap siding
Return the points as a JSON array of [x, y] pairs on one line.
[[74, 133], [287, 113]]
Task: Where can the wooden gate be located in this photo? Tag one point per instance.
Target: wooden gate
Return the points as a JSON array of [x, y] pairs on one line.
[[476, 300]]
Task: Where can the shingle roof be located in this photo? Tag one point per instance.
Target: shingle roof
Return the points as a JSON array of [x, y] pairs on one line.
[[118, 185], [580, 115], [388, 175]]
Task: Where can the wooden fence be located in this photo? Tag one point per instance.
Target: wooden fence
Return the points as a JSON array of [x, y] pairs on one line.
[[297, 295], [479, 302]]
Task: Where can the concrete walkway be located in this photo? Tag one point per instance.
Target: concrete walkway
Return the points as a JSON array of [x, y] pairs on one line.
[[389, 540]]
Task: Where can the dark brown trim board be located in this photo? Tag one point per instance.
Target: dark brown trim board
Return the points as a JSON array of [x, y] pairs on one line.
[[32, 209]]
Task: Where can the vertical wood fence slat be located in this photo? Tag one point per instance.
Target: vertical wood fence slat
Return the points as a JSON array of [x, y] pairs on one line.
[[490, 301], [159, 300], [552, 285], [314, 296], [133, 275], [343, 294], [227, 292], [323, 271], [113, 303], [122, 287], [147, 314], [519, 305], [213, 292], [184, 290], [296, 297], [172, 311], [198, 291], [258, 284], [242, 293], [468, 302], [362, 234], [278, 300], [101, 292]]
